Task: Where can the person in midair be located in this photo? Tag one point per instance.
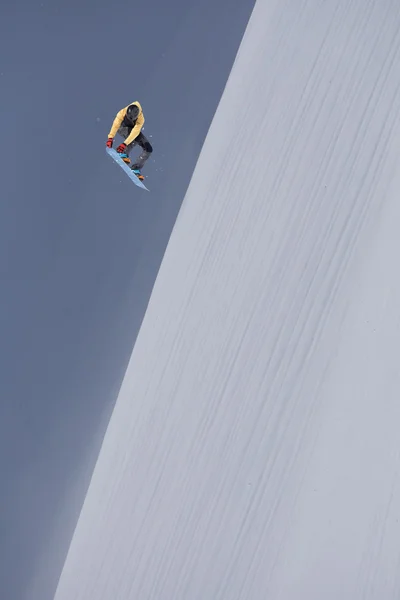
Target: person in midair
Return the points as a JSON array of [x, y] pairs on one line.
[[128, 123]]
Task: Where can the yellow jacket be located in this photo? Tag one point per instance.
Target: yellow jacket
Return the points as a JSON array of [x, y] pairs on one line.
[[120, 117]]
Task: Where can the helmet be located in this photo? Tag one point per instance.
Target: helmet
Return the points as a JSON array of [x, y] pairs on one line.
[[132, 112]]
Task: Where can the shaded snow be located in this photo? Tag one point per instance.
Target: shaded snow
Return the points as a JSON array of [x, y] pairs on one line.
[[254, 449]]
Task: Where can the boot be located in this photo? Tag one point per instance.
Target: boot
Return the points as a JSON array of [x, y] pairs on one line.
[[125, 158], [137, 172]]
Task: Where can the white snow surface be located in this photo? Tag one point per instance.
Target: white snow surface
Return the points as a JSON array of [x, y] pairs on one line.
[[253, 453]]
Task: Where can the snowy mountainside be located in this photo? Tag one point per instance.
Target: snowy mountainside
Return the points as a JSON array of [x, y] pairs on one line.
[[254, 451]]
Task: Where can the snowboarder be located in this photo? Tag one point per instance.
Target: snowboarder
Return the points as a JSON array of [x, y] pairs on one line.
[[128, 123]]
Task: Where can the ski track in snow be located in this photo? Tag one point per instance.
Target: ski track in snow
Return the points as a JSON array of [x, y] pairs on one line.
[[253, 452]]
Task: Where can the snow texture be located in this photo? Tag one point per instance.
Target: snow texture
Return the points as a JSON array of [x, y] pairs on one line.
[[254, 449]]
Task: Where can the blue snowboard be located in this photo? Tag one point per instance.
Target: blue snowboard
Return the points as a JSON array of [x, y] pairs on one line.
[[115, 156]]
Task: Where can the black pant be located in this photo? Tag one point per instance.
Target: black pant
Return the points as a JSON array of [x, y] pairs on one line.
[[142, 141]]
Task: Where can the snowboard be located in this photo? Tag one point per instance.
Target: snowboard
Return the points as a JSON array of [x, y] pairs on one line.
[[116, 157]]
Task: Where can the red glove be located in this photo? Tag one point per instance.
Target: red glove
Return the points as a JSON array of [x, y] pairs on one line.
[[109, 143], [121, 148]]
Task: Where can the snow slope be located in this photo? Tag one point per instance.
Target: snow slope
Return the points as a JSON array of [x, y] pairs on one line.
[[254, 449]]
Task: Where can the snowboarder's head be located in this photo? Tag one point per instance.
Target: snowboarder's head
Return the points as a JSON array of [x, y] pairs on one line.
[[132, 112]]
